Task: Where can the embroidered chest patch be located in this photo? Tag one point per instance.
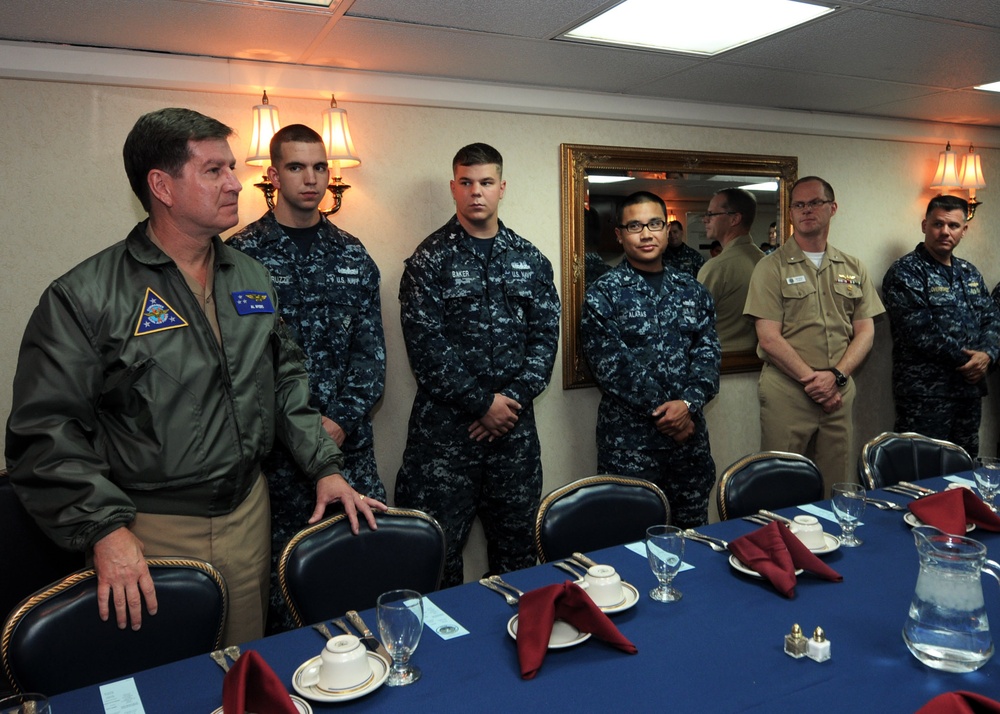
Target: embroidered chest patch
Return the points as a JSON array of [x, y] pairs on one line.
[[157, 315], [249, 302]]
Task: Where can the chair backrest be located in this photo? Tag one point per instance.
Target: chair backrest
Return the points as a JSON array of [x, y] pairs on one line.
[[29, 559], [54, 640], [768, 479], [893, 457], [597, 512], [326, 570]]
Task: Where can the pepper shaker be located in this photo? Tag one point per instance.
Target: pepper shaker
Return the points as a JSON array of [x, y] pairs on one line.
[[796, 643]]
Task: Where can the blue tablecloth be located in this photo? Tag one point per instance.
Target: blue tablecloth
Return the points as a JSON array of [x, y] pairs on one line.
[[720, 649]]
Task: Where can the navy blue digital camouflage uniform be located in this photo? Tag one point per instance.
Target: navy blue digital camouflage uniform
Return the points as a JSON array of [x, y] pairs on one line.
[[646, 348], [934, 313], [475, 328], [330, 302], [684, 258]]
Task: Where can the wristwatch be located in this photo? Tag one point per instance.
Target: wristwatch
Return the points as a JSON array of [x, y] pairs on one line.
[[688, 405], [840, 376]]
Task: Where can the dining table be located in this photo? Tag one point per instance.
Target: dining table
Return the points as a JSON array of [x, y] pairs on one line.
[[718, 649]]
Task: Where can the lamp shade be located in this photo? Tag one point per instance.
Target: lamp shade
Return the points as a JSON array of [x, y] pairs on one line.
[[265, 124], [340, 151], [972, 171], [947, 170]]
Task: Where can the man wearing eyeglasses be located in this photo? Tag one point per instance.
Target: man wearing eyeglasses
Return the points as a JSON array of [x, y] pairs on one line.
[[648, 333], [813, 307], [945, 331], [728, 220], [678, 254]]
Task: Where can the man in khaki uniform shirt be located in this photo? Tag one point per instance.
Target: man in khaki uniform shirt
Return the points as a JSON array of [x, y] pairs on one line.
[[813, 307]]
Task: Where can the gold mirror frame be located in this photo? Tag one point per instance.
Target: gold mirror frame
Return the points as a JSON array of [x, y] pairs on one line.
[[577, 159]]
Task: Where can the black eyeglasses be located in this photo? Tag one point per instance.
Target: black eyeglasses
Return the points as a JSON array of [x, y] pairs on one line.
[[708, 215], [657, 224], [813, 204]]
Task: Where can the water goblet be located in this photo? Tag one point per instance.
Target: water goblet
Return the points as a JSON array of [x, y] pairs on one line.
[[400, 622], [987, 473], [848, 505], [25, 704], [665, 550]]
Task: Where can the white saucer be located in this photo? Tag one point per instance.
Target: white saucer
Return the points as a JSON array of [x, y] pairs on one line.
[[630, 596], [747, 570], [563, 634], [380, 670], [301, 705], [912, 520], [831, 544]]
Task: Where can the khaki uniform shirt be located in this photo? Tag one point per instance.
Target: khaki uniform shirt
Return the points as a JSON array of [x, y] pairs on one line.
[[816, 307], [727, 277]]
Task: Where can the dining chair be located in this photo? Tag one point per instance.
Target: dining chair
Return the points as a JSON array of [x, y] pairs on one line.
[[29, 559], [325, 570], [597, 512], [54, 640], [767, 479], [892, 457]]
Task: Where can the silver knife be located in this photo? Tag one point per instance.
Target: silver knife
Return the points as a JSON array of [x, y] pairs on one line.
[[775, 517], [367, 637], [584, 559], [915, 487]]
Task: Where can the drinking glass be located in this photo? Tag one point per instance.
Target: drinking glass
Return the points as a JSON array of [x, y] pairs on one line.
[[400, 621], [665, 550], [25, 704], [848, 505], [987, 474]]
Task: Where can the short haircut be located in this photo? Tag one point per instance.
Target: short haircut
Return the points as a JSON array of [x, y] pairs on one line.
[[827, 188], [476, 155], [948, 203], [289, 134], [675, 223], [637, 198], [159, 140], [741, 201]]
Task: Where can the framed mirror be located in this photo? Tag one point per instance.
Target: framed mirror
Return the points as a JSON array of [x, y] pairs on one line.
[[596, 178]]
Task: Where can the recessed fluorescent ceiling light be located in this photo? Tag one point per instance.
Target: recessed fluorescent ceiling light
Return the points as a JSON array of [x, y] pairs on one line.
[[701, 27], [766, 186], [608, 179], [991, 87]]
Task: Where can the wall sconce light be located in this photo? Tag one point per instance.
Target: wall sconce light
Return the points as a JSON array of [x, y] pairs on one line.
[[969, 176], [340, 151], [265, 124]]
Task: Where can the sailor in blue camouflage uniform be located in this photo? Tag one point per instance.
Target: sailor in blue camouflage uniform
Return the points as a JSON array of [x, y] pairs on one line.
[[328, 288], [480, 317], [678, 254], [649, 335], [945, 331]]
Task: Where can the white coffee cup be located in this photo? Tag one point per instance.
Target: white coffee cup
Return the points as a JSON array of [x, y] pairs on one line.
[[603, 585], [343, 664], [809, 531]]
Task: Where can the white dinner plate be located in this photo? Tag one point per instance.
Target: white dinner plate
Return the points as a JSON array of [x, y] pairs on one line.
[[380, 670], [301, 705], [563, 634], [747, 570], [831, 544], [912, 520]]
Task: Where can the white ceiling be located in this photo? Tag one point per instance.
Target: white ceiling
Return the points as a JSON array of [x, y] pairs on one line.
[[911, 59]]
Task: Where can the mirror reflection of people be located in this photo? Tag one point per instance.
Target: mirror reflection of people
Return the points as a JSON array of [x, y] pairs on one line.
[[772, 234], [814, 307], [480, 317], [678, 254], [945, 331], [715, 248], [594, 265], [328, 286], [648, 332], [153, 379], [729, 218]]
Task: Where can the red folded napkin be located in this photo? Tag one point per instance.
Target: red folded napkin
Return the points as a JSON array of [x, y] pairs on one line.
[[567, 601], [775, 552], [252, 685], [960, 703], [952, 508]]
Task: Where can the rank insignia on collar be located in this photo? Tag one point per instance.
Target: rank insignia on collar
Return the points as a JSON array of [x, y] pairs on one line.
[[249, 302], [157, 316]]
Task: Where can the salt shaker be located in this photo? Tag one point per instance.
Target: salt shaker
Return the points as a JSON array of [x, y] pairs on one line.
[[819, 646], [796, 643]]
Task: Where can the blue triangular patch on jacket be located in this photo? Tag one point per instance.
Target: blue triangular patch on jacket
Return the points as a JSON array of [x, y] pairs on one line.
[[157, 315]]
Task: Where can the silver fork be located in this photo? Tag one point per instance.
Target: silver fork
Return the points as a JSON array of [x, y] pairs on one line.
[[233, 652], [716, 544], [903, 491], [884, 505], [565, 565], [511, 600], [759, 520], [342, 625], [322, 629], [497, 580], [220, 659]]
